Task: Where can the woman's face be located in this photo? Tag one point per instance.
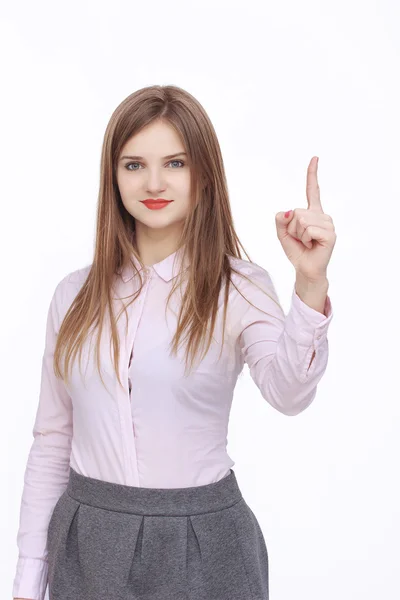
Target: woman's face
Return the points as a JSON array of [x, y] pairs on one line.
[[144, 172]]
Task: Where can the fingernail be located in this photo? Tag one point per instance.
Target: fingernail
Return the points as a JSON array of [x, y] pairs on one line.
[[287, 214]]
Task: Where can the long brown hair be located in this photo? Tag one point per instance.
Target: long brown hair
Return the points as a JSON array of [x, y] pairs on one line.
[[208, 236]]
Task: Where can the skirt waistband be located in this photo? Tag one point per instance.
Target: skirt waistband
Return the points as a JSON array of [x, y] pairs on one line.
[[155, 501]]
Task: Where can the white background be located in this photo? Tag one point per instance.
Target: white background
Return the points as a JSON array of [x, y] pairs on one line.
[[282, 82]]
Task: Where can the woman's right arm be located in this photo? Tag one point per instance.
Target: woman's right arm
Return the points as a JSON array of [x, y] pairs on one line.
[[47, 469]]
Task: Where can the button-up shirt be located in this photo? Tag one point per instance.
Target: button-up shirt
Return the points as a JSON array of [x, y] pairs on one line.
[[161, 429]]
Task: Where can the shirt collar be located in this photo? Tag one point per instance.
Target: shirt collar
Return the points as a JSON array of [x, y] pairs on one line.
[[167, 269]]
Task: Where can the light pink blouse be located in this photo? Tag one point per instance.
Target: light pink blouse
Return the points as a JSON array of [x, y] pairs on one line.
[[161, 429]]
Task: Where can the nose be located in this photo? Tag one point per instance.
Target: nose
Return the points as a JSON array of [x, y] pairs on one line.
[[155, 182]]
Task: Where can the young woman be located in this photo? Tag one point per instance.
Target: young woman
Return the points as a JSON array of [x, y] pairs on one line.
[[129, 492]]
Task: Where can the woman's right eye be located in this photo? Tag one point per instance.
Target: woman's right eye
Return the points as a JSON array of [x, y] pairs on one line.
[[132, 163]]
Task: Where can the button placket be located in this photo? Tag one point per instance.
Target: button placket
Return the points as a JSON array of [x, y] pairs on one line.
[[126, 407]]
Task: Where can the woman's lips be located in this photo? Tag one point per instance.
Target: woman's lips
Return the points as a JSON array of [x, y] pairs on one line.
[[155, 204]]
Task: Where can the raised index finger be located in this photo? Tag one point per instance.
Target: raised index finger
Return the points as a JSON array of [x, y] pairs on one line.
[[312, 187]]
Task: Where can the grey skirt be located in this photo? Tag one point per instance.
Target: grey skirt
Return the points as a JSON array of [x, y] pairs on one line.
[[108, 541]]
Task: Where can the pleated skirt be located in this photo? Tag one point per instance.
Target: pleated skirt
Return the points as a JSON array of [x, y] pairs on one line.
[[108, 541]]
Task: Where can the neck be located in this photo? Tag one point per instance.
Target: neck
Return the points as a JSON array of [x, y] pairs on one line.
[[153, 249]]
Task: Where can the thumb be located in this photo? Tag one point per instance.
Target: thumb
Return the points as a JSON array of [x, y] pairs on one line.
[[282, 220]]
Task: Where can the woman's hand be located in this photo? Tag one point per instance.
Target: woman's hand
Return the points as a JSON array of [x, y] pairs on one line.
[[308, 235]]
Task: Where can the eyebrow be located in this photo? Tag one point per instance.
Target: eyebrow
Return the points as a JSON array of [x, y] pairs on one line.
[[164, 157]]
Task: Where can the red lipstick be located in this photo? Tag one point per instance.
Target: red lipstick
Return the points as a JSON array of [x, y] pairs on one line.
[[155, 203]]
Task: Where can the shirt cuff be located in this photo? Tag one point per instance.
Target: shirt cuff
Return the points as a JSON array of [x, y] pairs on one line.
[[31, 578], [305, 325]]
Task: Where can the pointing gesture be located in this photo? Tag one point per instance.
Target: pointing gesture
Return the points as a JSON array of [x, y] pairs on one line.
[[308, 235]]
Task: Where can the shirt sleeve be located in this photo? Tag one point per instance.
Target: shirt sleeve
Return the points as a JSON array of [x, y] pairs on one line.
[[278, 348], [47, 470]]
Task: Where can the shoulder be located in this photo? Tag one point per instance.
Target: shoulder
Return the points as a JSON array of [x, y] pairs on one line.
[[255, 283], [74, 280], [67, 288], [78, 277], [244, 270]]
